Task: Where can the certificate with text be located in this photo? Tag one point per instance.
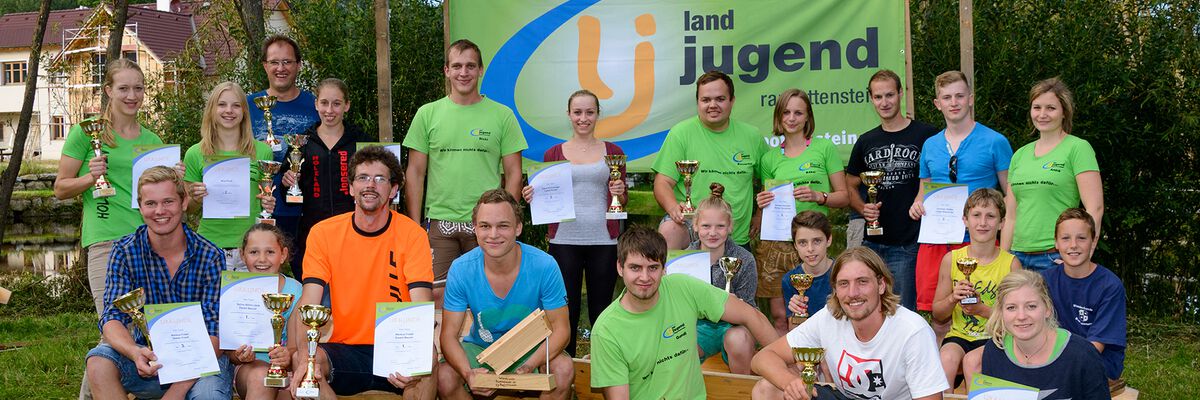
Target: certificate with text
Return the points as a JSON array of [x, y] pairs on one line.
[[245, 320], [943, 219], [553, 194], [693, 263], [777, 215], [403, 339], [227, 181], [181, 342], [146, 156]]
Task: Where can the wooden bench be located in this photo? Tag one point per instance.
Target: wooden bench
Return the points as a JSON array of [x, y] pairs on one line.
[[719, 385]]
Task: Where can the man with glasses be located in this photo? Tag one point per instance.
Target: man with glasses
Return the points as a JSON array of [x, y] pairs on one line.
[[966, 152], [893, 147], [294, 112], [368, 256]]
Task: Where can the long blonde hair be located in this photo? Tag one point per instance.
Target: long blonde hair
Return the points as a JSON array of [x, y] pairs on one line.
[[110, 71], [208, 125], [1011, 282]]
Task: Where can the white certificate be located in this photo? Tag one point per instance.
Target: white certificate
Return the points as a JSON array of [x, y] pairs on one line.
[[777, 216], [181, 342], [227, 180], [693, 263], [396, 148], [147, 156], [943, 219], [553, 196], [245, 320], [403, 339]]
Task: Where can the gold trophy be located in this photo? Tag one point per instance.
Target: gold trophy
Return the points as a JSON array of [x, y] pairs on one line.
[[967, 265], [801, 282], [615, 162], [871, 179], [296, 159], [93, 128], [687, 168], [266, 103], [131, 303], [278, 303], [730, 265], [266, 184], [314, 316], [809, 357]]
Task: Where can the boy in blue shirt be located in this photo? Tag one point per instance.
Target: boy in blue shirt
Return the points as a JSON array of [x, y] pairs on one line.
[[811, 234]]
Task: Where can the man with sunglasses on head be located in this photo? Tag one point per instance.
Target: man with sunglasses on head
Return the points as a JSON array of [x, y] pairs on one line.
[[967, 153], [893, 147]]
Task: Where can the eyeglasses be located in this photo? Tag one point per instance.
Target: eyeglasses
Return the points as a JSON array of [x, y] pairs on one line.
[[954, 169], [377, 179], [280, 63]]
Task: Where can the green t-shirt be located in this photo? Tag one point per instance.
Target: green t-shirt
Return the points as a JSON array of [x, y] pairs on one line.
[[728, 157], [654, 352], [1045, 187], [811, 168], [464, 145], [227, 233], [112, 217]]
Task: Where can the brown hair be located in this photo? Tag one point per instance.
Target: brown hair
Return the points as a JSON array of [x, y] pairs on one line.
[[1079, 214], [713, 76], [812, 220], [949, 77], [337, 84], [982, 197], [280, 38], [161, 173], [496, 196], [781, 106], [462, 45], [1011, 282], [644, 241], [280, 237], [583, 92], [208, 122], [882, 75], [715, 201], [110, 71], [888, 302], [380, 155], [1060, 90]]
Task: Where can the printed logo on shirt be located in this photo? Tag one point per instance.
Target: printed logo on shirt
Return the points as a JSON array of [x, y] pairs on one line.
[[860, 377], [899, 162], [811, 165], [1054, 166], [740, 157], [1083, 315], [677, 332], [480, 133]]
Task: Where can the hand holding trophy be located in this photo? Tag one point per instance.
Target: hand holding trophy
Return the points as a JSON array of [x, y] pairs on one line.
[[266, 184], [315, 317], [131, 303], [873, 179], [615, 162], [967, 266], [296, 142], [687, 168], [93, 128], [801, 282], [277, 303], [809, 357]]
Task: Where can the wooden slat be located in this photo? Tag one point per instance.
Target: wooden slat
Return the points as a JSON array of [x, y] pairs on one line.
[[538, 382], [718, 385], [523, 337]]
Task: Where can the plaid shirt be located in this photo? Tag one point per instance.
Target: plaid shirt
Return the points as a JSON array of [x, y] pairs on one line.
[[134, 264]]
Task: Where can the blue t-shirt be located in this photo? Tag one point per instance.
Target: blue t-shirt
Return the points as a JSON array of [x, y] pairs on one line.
[[292, 287], [539, 285], [287, 118], [1071, 373], [1093, 308], [817, 294], [980, 156]]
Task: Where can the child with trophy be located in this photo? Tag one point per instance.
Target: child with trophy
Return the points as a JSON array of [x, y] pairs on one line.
[[807, 286], [260, 374]]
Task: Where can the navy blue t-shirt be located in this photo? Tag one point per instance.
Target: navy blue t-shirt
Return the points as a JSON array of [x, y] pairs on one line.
[[287, 118], [1093, 308], [1072, 373], [817, 294]]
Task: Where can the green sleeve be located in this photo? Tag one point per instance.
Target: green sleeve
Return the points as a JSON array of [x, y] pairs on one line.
[[708, 300], [833, 163], [766, 164], [417, 137], [78, 146], [513, 140], [671, 151], [1083, 157], [193, 161], [609, 368]]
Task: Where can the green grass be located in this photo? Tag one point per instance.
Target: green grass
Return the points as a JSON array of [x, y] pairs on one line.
[[50, 365], [34, 166], [32, 194]]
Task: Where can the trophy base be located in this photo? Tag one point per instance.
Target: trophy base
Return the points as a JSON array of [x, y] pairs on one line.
[[295, 199], [874, 231], [308, 393], [537, 382], [102, 193], [969, 301], [616, 215], [796, 320], [276, 147], [275, 382], [268, 221], [688, 213]]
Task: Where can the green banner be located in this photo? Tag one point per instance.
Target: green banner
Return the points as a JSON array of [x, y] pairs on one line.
[[642, 59]]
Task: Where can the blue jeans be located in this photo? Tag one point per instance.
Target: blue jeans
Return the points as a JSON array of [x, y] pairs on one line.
[[217, 386], [902, 261], [1037, 262]]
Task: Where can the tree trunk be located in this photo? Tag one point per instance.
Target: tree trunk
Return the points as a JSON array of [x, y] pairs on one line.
[[250, 12], [14, 165], [116, 35], [383, 66]]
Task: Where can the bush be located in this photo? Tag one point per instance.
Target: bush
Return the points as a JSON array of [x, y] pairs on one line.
[[35, 294]]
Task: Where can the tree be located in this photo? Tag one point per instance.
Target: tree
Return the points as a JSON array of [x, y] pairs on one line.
[[116, 35], [250, 13], [14, 166], [383, 82]]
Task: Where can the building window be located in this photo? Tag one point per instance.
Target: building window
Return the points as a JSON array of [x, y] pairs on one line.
[[131, 55], [99, 63], [15, 72], [58, 128]]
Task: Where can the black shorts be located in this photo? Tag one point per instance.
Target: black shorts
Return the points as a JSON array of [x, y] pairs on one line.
[[350, 370], [967, 345]]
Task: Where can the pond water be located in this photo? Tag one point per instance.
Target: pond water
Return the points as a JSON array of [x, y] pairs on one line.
[[45, 250]]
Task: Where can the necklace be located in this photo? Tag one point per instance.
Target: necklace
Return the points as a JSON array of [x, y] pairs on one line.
[[586, 147], [1029, 355]]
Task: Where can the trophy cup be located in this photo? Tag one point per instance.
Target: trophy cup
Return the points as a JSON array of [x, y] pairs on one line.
[[296, 142], [730, 265], [266, 103], [131, 303], [801, 282], [266, 184], [93, 128], [809, 357], [314, 316], [615, 162], [278, 304], [967, 265], [871, 179], [687, 168]]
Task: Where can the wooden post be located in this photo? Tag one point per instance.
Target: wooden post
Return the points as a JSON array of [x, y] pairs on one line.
[[383, 67], [966, 43], [910, 107]]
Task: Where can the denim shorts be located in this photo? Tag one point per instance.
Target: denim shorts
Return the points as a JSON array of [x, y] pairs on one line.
[[1037, 262], [219, 386]]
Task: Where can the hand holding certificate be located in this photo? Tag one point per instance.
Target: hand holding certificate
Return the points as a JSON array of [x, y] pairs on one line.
[[151, 155], [777, 216], [403, 339], [182, 344], [227, 180], [692, 263], [244, 318], [553, 194], [943, 220]]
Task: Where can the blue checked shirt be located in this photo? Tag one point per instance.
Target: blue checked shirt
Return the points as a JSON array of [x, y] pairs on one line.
[[134, 264]]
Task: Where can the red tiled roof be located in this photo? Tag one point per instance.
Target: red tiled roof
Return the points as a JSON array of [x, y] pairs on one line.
[[164, 33], [16, 30]]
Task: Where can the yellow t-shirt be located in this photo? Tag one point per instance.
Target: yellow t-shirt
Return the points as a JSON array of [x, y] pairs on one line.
[[985, 280]]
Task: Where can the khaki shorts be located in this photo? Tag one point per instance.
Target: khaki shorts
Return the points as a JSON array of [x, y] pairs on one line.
[[97, 270], [448, 240], [774, 259]]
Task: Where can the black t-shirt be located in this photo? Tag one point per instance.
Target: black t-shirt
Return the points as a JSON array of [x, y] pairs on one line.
[[898, 154], [1076, 373]]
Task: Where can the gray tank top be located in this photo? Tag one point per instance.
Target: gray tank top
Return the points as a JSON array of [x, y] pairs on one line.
[[590, 188]]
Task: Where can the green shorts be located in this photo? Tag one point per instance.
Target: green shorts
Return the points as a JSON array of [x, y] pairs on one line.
[[710, 336], [473, 351]]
